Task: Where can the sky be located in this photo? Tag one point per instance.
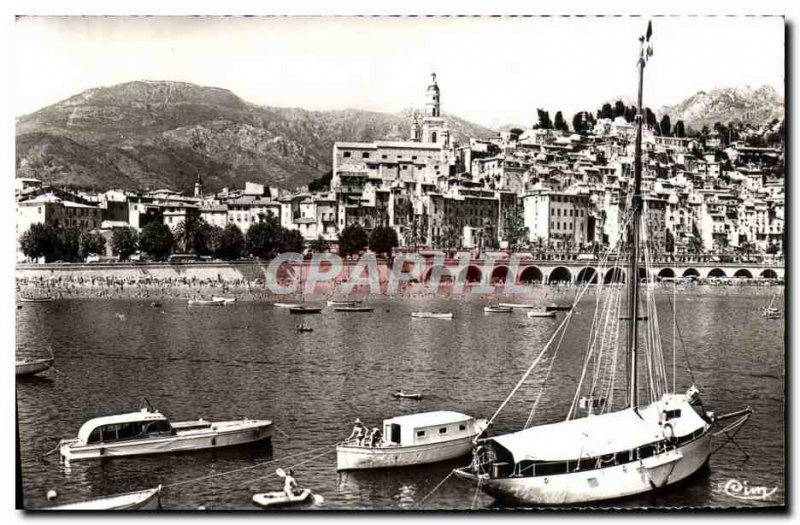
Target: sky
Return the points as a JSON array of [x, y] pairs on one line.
[[492, 71]]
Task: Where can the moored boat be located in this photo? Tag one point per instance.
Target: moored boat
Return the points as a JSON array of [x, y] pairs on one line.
[[205, 302], [29, 367], [353, 308], [540, 312], [343, 303], [223, 299], [497, 309], [286, 305], [432, 315], [517, 305], [553, 307], [413, 439], [405, 395], [150, 432], [140, 500], [37, 299], [305, 309]]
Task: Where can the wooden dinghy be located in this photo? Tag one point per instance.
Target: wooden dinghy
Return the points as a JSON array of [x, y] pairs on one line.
[[205, 302], [281, 499], [141, 500], [432, 315], [516, 305], [224, 300], [305, 310], [343, 303], [42, 299], [353, 308], [497, 309], [541, 313], [404, 395], [29, 367], [286, 305]]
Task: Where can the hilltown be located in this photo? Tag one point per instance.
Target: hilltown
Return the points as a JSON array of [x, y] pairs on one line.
[[542, 189]]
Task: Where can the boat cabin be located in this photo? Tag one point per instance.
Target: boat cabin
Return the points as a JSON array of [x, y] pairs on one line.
[[428, 427], [134, 425]]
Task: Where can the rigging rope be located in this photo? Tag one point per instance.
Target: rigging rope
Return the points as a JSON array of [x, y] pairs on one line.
[[420, 502]]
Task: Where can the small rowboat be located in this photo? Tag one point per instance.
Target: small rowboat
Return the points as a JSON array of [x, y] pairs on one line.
[[343, 303], [286, 305], [43, 299], [352, 308], [281, 499], [305, 309], [541, 313], [156, 304], [302, 328], [141, 500], [431, 315], [33, 366], [205, 302], [497, 309], [403, 395], [552, 307], [224, 300], [516, 305]]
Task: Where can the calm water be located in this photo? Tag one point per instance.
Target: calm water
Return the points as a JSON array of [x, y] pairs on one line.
[[247, 360]]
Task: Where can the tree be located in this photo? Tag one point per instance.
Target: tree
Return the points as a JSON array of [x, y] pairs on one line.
[[68, 243], [544, 119], [620, 110], [263, 238], [577, 122], [291, 241], [630, 114], [383, 240], [156, 240], [650, 118], [39, 241], [193, 235], [228, 243], [318, 245], [91, 243], [352, 240], [606, 111], [680, 131], [559, 123], [666, 126], [124, 242]]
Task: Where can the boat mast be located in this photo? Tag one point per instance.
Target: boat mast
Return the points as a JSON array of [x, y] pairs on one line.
[[636, 205]]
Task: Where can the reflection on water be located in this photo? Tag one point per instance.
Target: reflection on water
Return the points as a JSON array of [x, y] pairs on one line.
[[247, 360]]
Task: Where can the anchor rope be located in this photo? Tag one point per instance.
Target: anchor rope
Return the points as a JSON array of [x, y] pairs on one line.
[[420, 502]]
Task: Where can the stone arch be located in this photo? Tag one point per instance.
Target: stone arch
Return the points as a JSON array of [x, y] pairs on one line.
[[769, 274], [743, 274], [470, 274], [499, 273], [587, 274], [445, 274], [666, 273], [643, 274], [717, 272], [691, 272], [531, 274], [614, 275], [558, 274]]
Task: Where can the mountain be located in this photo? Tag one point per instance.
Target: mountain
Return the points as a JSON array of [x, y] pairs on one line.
[[748, 104], [163, 134]]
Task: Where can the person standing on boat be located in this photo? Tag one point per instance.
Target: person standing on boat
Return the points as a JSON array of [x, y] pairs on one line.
[[375, 437], [289, 483], [359, 432]]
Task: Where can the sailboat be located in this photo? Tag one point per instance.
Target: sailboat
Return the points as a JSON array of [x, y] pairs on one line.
[[618, 439]]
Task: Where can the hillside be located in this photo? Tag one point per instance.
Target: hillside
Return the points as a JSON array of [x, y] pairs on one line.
[[748, 105], [163, 134]]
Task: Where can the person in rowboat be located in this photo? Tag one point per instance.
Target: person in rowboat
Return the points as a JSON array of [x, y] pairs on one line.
[[289, 484], [359, 432]]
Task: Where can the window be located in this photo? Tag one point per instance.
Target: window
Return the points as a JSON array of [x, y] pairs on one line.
[[384, 156], [365, 155], [443, 430], [420, 433], [462, 427], [346, 154]]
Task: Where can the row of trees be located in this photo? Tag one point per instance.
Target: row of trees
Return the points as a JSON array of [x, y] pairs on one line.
[[584, 121], [56, 243]]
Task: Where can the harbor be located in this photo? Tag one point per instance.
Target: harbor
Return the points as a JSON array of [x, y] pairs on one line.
[[247, 359]]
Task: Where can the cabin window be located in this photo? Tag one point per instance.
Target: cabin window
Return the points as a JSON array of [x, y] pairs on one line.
[[365, 155], [95, 436], [346, 154], [443, 430], [672, 414], [420, 433], [157, 428], [462, 427]]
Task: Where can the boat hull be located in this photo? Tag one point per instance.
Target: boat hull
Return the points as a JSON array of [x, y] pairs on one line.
[[223, 435], [206, 303], [33, 367], [280, 499], [601, 484], [350, 457], [141, 500]]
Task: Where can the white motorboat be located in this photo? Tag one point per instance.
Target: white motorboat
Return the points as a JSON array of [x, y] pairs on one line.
[[517, 305], [343, 303], [150, 432], [540, 312], [497, 309], [632, 439], [206, 302], [279, 498], [223, 299], [28, 367], [286, 305], [413, 439], [140, 500], [432, 315]]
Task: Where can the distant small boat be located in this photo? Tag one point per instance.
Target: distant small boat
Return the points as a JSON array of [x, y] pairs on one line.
[[156, 304], [42, 299], [352, 308], [541, 313], [29, 367], [552, 307], [517, 305], [225, 300], [305, 309], [302, 328], [403, 395], [141, 500], [497, 309], [286, 305], [205, 302], [281, 499], [343, 303], [432, 315]]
